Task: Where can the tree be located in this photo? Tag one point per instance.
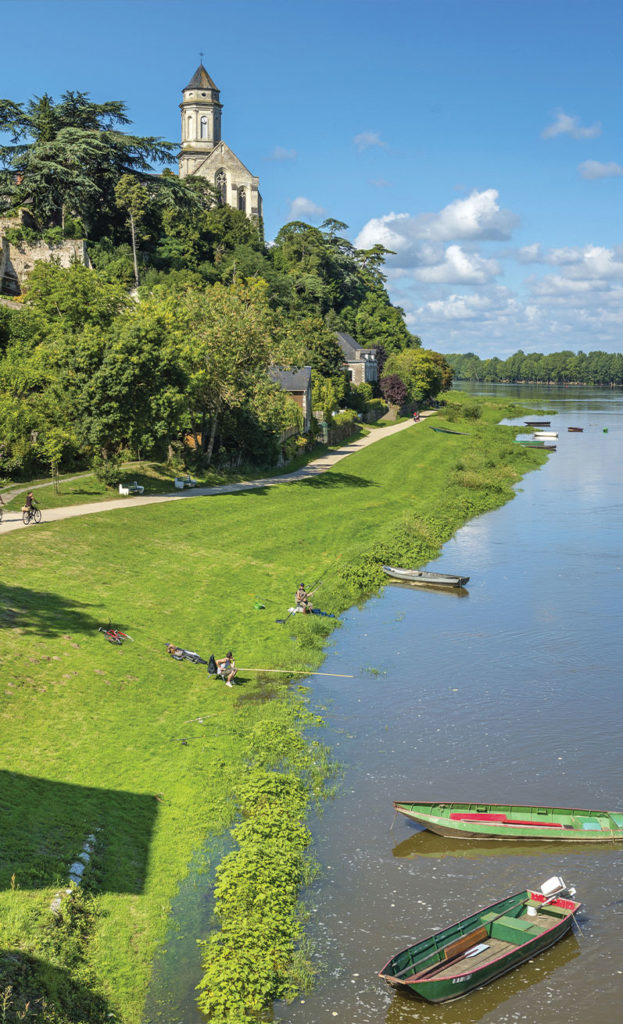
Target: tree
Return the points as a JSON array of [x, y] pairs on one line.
[[230, 343], [70, 155], [393, 389], [133, 197], [420, 373]]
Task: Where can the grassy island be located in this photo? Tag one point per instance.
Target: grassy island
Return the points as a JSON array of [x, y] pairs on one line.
[[150, 756]]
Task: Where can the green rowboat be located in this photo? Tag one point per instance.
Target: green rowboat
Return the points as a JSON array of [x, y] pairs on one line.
[[515, 821], [481, 948]]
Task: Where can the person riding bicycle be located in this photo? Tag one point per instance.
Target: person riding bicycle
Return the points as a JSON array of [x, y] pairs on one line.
[[30, 502]]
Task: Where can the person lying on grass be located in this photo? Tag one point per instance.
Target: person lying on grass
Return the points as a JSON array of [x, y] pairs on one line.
[[226, 668]]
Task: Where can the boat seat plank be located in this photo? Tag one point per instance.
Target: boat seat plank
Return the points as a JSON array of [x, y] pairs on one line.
[[495, 948]]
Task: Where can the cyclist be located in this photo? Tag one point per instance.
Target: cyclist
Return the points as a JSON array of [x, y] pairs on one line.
[[29, 508]]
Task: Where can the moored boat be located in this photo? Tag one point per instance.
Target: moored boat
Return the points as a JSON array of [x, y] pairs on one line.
[[484, 946], [545, 433], [538, 423], [430, 579], [575, 430], [515, 821]]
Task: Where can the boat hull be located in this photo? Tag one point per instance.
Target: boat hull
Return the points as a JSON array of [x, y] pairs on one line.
[[478, 950], [419, 577], [515, 822]]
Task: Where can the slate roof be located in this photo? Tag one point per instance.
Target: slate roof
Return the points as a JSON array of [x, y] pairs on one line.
[[201, 80], [352, 351], [291, 380]]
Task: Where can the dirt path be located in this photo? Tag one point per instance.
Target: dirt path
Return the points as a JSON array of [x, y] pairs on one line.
[[13, 520]]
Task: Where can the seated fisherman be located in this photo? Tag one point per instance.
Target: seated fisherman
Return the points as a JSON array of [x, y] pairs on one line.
[[226, 668], [303, 599]]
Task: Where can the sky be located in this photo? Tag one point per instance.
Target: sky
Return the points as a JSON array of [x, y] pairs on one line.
[[480, 140]]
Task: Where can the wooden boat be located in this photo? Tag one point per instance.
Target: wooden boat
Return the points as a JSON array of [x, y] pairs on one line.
[[515, 821], [575, 430], [444, 430], [481, 948], [538, 423], [429, 579]]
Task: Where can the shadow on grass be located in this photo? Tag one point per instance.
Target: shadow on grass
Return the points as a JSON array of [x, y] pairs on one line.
[[45, 824], [333, 479], [36, 990], [43, 613]]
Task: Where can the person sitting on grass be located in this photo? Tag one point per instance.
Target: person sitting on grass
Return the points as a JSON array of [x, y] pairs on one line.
[[226, 668], [303, 599], [175, 652]]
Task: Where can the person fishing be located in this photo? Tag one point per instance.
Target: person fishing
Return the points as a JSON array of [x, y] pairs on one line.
[[302, 599], [226, 668]]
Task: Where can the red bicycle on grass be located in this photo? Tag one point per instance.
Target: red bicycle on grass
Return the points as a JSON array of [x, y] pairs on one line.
[[114, 636]]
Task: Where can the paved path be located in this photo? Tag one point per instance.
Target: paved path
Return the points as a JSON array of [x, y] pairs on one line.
[[13, 520]]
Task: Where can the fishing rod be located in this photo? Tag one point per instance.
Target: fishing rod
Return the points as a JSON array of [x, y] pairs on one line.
[[298, 672]]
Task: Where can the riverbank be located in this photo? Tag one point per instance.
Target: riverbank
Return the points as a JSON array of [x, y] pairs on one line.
[[95, 736]]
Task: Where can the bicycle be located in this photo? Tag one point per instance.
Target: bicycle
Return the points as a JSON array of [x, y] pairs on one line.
[[31, 515], [114, 636]]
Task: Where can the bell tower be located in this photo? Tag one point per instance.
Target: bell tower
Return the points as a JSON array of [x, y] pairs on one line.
[[201, 121]]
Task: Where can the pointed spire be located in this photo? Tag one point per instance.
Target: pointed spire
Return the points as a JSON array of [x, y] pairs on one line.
[[201, 80]]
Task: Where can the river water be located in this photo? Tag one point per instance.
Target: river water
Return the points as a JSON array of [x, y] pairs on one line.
[[510, 693]]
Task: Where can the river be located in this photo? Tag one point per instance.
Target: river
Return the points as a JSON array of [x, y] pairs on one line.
[[509, 693]]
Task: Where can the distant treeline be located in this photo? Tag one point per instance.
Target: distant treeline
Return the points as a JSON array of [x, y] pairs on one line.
[[599, 368]]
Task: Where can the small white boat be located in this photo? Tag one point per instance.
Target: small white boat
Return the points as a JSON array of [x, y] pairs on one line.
[[545, 433], [429, 579]]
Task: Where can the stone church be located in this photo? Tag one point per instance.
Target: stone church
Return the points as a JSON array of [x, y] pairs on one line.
[[204, 153]]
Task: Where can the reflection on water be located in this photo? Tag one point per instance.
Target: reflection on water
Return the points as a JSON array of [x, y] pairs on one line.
[[512, 696], [428, 844], [456, 591], [481, 1004]]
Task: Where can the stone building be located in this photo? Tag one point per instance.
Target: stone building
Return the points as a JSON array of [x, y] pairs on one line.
[[204, 153], [298, 384], [17, 259], [359, 363]]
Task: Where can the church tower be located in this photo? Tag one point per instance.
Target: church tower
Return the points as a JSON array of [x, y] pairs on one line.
[[205, 155]]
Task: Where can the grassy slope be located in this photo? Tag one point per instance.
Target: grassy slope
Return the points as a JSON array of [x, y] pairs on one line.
[[111, 720]]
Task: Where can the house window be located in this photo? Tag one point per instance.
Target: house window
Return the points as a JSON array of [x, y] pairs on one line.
[[242, 200], [189, 130], [204, 127], [220, 181]]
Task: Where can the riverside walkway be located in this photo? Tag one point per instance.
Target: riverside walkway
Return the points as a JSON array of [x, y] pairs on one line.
[[13, 520]]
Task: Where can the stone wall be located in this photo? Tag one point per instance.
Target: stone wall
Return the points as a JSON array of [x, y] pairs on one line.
[[17, 260]]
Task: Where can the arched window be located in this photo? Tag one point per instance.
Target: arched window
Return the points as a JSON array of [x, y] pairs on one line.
[[242, 200], [220, 181], [189, 130], [204, 127]]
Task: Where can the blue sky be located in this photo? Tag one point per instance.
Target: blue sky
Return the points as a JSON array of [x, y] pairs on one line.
[[480, 139]]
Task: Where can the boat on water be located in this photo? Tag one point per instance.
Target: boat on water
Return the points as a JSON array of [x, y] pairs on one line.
[[515, 821], [575, 430], [545, 433], [538, 423], [429, 579], [484, 946]]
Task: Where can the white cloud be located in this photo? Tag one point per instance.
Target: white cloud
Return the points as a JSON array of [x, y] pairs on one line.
[[592, 169], [380, 182], [457, 307], [567, 125], [477, 217], [459, 267], [530, 253], [302, 207], [280, 153], [368, 139]]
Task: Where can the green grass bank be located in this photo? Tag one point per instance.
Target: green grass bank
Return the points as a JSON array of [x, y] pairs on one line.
[[150, 755]]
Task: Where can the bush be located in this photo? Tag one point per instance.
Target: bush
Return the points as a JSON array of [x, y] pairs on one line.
[[108, 470], [393, 389]]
